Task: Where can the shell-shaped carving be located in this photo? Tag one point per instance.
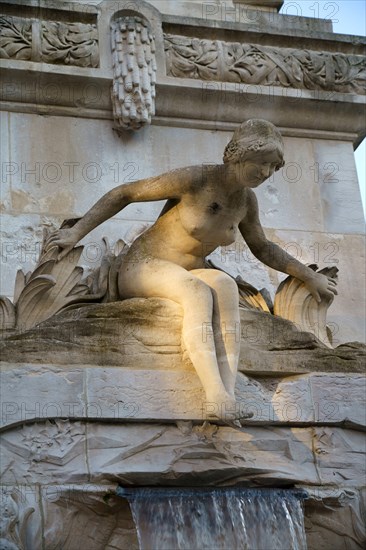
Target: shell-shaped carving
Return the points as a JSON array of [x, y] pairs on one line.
[[294, 302], [134, 72]]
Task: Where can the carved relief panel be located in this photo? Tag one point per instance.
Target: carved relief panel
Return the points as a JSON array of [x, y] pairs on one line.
[[49, 41], [216, 60]]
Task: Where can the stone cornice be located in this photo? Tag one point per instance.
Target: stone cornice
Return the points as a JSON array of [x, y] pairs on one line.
[[70, 73], [267, 33]]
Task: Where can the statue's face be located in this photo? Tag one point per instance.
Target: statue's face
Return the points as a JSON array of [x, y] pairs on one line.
[[259, 168]]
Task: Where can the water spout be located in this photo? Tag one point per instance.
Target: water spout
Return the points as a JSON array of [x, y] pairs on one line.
[[217, 519]]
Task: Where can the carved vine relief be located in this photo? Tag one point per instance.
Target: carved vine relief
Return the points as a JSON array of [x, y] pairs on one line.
[[216, 60], [54, 42]]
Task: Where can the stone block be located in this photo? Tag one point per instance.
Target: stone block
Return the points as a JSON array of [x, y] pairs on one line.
[[89, 514], [21, 238], [38, 392], [294, 184], [336, 397], [6, 165], [335, 171], [346, 315], [121, 393], [44, 392], [340, 456]]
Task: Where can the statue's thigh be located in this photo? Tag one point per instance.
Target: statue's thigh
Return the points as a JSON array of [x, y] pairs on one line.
[[159, 278], [217, 280]]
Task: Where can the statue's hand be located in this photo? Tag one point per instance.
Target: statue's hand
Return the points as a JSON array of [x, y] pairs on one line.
[[321, 287], [65, 239]]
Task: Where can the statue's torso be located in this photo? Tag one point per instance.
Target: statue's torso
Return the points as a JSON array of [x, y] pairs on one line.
[[194, 226]]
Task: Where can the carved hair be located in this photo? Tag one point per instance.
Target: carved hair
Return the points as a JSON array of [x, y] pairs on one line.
[[252, 137]]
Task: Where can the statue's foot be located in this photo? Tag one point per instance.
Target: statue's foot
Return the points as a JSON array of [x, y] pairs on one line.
[[224, 407]]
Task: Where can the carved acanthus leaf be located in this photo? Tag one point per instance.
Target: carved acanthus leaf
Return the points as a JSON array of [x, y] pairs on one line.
[[134, 72], [251, 298], [56, 285], [264, 65], [7, 314]]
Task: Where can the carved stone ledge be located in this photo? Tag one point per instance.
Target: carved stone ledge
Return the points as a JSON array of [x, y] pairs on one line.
[[56, 451], [140, 393], [277, 4], [216, 60]]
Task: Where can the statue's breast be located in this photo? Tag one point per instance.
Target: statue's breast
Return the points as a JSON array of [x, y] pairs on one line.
[[211, 217]]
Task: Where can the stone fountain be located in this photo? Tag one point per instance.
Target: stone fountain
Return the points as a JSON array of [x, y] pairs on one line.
[[102, 408]]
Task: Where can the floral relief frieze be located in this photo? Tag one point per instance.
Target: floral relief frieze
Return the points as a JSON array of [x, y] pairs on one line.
[[215, 60], [49, 41]]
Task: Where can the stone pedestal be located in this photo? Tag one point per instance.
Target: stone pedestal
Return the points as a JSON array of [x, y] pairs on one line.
[[97, 398]]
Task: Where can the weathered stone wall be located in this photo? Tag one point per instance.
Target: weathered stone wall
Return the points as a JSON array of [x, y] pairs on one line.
[[80, 159], [60, 152]]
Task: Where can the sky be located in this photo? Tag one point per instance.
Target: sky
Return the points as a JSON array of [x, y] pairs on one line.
[[348, 17]]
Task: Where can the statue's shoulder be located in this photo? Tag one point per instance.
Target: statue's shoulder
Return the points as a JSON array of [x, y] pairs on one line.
[[251, 198], [188, 174]]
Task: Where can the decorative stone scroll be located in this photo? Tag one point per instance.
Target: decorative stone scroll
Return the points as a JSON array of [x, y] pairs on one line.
[[134, 72], [294, 302], [49, 41], [216, 60]]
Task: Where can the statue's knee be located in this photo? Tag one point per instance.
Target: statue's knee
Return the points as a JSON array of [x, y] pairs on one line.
[[224, 282], [196, 289]]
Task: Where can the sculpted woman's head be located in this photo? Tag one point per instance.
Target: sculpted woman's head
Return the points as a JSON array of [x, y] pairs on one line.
[[257, 149]]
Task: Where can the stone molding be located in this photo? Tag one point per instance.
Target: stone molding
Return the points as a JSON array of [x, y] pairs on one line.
[[277, 4]]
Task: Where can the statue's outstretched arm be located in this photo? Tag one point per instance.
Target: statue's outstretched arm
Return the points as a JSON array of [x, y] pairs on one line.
[[274, 256], [171, 185]]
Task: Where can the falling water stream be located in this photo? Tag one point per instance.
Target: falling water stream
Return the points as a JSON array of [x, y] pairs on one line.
[[217, 519]]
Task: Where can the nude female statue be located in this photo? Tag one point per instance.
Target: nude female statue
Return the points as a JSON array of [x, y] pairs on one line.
[[204, 210]]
